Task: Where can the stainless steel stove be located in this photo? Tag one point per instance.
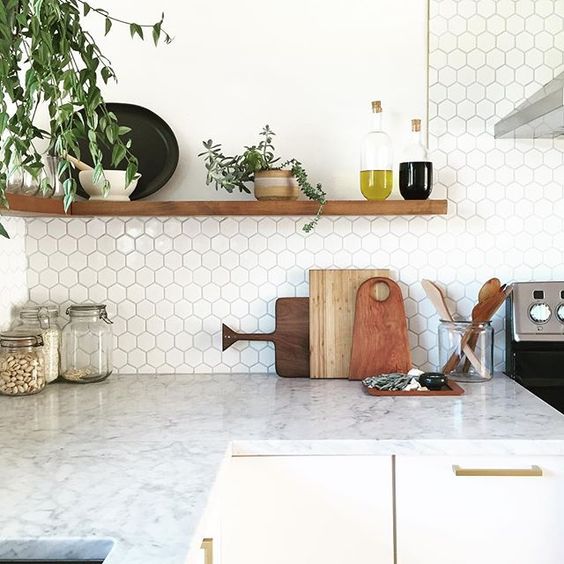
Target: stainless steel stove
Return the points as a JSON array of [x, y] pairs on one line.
[[535, 339]]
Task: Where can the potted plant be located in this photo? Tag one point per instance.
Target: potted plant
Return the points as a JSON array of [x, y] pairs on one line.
[[48, 61], [273, 180]]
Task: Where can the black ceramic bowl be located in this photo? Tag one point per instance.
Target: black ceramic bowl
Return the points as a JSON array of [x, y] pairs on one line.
[[433, 380]]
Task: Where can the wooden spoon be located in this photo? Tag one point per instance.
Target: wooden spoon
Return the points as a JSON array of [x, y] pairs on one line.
[[438, 299], [490, 288]]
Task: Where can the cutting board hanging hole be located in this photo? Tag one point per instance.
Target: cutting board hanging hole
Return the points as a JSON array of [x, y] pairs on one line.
[[380, 291]]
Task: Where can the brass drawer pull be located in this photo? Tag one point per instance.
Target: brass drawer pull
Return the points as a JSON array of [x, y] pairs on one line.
[[533, 471], [207, 547]]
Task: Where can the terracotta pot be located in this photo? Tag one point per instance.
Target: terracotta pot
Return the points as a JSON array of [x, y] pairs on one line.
[[276, 185]]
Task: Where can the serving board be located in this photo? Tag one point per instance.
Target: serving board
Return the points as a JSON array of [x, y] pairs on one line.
[[332, 295], [290, 337], [451, 389], [380, 342]]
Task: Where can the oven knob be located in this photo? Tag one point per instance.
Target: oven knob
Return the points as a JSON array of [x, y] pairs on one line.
[[540, 312], [560, 312]]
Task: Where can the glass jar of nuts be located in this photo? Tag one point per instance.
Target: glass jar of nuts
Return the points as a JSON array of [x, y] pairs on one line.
[[87, 344], [21, 364]]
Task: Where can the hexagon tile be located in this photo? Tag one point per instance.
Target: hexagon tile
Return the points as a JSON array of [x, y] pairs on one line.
[[170, 283]]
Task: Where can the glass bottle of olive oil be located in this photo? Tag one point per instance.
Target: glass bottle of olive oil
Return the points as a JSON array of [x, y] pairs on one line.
[[376, 159]]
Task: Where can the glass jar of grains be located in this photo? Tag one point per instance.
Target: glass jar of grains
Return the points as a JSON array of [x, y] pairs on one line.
[[44, 320], [87, 344], [21, 364]]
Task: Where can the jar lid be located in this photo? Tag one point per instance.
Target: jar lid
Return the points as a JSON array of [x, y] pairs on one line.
[[20, 339], [34, 311], [92, 309], [86, 307]]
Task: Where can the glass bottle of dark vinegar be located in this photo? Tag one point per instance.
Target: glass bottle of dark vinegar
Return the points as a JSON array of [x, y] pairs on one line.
[[416, 170]]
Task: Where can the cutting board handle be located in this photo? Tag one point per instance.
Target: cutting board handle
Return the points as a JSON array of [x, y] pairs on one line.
[[228, 336]]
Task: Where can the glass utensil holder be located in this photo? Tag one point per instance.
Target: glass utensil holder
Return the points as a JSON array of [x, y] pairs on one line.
[[466, 350], [87, 344]]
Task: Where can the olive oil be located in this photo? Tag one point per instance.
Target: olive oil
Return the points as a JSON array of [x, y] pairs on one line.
[[376, 184], [376, 160]]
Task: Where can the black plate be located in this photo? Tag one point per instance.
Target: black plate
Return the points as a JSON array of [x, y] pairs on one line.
[[153, 143]]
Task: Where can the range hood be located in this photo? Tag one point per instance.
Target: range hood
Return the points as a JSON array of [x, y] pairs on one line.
[[540, 116]]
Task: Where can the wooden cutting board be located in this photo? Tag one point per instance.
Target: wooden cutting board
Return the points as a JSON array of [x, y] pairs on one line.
[[290, 337], [380, 343], [332, 295]]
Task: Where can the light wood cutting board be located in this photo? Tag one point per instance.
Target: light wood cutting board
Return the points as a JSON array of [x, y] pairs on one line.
[[332, 299]]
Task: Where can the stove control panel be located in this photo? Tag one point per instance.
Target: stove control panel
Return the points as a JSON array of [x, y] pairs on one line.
[[537, 311]]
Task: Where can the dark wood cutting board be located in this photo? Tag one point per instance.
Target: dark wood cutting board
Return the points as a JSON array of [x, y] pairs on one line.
[[290, 337], [380, 344]]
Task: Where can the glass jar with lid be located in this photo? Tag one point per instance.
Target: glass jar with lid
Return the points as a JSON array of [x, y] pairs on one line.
[[87, 344], [21, 364], [44, 320]]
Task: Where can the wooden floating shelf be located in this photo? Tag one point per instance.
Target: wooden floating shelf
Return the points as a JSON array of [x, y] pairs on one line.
[[29, 206], [32, 206]]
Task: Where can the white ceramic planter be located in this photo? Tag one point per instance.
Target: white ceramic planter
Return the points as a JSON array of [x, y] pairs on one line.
[[276, 185], [118, 192]]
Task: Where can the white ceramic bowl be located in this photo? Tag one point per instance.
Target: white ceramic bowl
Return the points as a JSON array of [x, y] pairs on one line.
[[118, 192]]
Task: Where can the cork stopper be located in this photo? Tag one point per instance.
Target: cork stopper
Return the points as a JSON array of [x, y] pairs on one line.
[[415, 125], [377, 106]]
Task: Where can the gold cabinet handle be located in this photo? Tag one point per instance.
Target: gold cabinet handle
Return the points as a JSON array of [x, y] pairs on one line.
[[534, 471], [207, 547]]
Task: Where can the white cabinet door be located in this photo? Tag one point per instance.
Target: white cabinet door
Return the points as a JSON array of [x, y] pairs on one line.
[[206, 544], [476, 517], [308, 510]]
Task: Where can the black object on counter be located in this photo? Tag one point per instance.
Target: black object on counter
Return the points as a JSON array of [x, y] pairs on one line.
[[433, 380], [416, 180], [153, 143]]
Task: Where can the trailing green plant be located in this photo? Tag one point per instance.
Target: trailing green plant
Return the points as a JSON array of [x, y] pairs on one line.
[[48, 60], [235, 172]]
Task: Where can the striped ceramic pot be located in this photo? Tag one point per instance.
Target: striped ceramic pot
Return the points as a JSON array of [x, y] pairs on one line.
[[276, 185]]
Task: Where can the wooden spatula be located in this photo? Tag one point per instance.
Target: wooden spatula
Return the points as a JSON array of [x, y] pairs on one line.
[[437, 298], [380, 344]]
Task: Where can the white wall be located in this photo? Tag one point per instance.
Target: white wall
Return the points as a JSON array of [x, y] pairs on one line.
[[309, 68]]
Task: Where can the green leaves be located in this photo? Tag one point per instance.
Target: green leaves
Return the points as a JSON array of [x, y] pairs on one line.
[[3, 232], [48, 59], [228, 173], [135, 29]]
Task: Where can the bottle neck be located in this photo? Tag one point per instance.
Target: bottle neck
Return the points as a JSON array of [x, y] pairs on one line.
[[416, 138], [377, 121]]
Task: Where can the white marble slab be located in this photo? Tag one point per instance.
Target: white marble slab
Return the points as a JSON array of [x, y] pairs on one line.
[[134, 458]]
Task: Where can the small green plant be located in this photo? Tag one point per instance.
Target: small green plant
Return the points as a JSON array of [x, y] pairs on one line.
[[235, 172], [49, 61]]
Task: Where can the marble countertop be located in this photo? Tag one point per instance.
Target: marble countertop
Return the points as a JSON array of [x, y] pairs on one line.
[[134, 458]]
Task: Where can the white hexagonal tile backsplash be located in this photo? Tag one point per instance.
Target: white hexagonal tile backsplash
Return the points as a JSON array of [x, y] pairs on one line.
[[170, 283]]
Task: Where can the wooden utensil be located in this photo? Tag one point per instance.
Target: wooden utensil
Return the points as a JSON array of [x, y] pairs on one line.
[[490, 288], [290, 337], [438, 299], [482, 312], [380, 343], [78, 163], [332, 299]]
